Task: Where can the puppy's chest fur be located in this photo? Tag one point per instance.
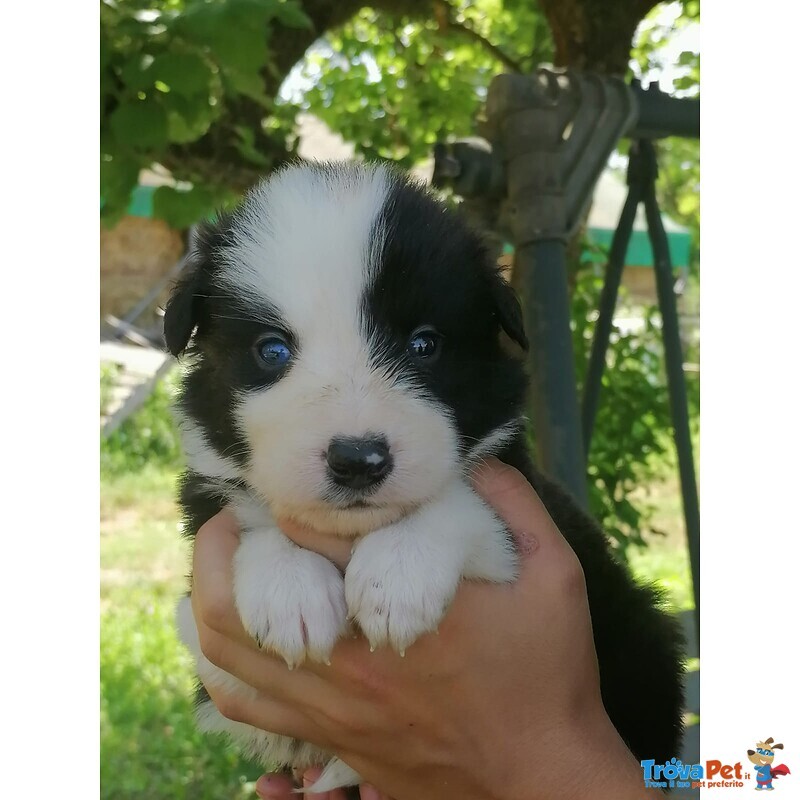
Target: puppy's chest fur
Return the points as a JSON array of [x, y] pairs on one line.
[[351, 362]]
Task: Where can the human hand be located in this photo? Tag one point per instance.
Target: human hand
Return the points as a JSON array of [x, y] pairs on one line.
[[503, 703]]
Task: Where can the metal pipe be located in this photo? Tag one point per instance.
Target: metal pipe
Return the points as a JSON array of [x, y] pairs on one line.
[[608, 303], [660, 115], [472, 168], [674, 362], [554, 395]]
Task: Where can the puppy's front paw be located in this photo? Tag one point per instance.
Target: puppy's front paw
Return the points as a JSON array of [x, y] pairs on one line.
[[292, 604], [397, 594]]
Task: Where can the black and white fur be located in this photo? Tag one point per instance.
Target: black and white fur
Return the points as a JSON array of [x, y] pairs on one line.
[[346, 264]]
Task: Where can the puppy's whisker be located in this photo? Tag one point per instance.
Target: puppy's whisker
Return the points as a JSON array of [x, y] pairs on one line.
[[257, 320], [243, 448]]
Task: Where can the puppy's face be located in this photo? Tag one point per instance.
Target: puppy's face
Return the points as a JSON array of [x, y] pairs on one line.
[[348, 352]]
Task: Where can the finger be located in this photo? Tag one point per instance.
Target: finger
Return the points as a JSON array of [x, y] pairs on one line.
[[369, 792], [212, 582], [306, 687], [508, 492], [265, 713], [310, 777], [275, 786], [555, 567], [334, 548]]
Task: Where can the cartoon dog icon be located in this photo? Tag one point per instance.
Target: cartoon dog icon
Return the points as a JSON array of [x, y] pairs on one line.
[[762, 757]]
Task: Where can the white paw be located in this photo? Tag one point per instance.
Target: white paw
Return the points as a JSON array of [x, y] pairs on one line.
[[397, 594], [335, 775], [292, 604]]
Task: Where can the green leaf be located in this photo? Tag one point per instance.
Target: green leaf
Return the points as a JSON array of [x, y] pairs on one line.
[[250, 84], [141, 124], [134, 73], [118, 177], [246, 146], [200, 20], [292, 15], [234, 31], [243, 50], [106, 51], [182, 209], [185, 73], [181, 131]]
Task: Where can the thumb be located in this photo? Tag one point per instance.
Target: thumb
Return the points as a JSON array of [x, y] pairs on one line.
[[275, 787], [514, 500]]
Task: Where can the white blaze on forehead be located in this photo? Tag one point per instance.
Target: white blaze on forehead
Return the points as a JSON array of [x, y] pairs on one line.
[[305, 242]]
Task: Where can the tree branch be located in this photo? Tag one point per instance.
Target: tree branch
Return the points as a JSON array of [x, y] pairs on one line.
[[594, 34], [499, 54], [445, 17]]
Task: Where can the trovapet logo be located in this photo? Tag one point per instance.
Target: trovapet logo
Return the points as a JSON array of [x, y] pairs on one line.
[[677, 775], [716, 774]]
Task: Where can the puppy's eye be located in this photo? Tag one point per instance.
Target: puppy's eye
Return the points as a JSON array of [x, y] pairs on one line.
[[424, 343], [273, 352]]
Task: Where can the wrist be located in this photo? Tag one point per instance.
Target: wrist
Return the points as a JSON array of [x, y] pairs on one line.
[[589, 762]]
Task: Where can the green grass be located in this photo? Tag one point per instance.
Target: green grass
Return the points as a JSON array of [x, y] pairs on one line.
[[668, 567], [150, 748], [665, 560], [140, 543]]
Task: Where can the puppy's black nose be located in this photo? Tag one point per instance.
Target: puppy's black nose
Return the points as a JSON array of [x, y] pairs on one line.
[[358, 463]]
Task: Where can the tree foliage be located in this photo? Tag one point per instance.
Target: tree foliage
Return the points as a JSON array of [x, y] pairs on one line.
[[679, 159], [631, 444], [194, 85], [395, 89], [177, 82]]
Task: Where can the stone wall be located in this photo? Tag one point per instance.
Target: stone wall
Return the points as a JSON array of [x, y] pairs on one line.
[[134, 256]]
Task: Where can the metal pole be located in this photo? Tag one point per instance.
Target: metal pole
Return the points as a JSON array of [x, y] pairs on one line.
[[608, 302], [554, 396], [674, 362], [659, 115]]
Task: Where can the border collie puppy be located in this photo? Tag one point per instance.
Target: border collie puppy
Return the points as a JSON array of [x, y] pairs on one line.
[[355, 351]]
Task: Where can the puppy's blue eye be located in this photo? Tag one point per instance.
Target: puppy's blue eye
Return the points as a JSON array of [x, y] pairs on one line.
[[274, 352], [424, 343]]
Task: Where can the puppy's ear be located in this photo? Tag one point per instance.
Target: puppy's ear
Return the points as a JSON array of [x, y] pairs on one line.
[[508, 309], [184, 309]]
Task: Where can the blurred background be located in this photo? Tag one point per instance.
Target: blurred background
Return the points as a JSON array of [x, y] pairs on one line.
[[201, 98]]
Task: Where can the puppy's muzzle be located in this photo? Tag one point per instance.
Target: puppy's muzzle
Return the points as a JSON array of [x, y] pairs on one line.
[[359, 463]]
